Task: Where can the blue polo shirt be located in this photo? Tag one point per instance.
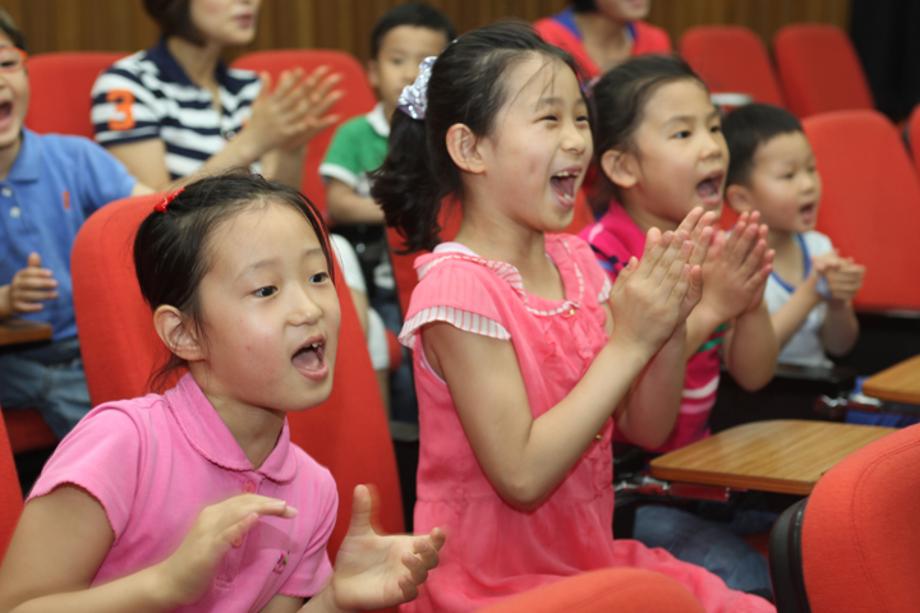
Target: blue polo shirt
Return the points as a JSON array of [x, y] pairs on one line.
[[55, 183]]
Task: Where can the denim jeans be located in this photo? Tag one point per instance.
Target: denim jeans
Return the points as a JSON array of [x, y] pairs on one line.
[[715, 545], [48, 377]]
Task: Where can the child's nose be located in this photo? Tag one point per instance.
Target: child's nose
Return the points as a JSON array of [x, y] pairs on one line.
[[575, 140], [304, 309], [712, 145]]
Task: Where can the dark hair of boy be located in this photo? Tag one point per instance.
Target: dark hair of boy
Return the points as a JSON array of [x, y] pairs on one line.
[[747, 128], [414, 14], [174, 18], [12, 32]]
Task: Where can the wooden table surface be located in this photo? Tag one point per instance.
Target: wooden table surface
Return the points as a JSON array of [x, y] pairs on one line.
[[17, 331], [782, 456], [900, 383]]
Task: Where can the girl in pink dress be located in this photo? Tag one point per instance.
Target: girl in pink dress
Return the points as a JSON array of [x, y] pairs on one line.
[[526, 357]]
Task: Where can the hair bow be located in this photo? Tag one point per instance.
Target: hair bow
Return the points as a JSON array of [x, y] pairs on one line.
[[160, 207], [413, 101]]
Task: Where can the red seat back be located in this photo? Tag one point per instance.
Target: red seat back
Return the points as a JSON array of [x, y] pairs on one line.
[[731, 59], [819, 69], [348, 433], [862, 516], [61, 84], [913, 136], [359, 98], [10, 494], [871, 203]]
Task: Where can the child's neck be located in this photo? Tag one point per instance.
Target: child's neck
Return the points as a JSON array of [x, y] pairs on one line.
[[199, 63], [787, 259], [607, 41], [256, 430], [645, 219], [496, 237], [8, 157]]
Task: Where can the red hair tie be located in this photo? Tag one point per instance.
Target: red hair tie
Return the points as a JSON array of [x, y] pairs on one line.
[[160, 207]]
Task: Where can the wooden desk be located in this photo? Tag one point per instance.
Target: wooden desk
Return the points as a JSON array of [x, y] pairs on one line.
[[17, 331], [783, 456], [900, 383]]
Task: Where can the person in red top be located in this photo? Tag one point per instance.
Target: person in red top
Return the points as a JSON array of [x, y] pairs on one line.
[[600, 34]]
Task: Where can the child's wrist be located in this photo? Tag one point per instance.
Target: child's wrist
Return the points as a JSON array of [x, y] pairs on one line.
[[160, 588], [6, 303]]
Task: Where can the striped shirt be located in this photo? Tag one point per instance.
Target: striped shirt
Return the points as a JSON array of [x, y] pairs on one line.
[[148, 95]]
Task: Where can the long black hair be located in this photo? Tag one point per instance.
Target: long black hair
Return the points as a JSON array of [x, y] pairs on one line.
[[466, 87]]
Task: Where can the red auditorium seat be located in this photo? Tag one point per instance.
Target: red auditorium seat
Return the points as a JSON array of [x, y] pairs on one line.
[[731, 59], [819, 69], [61, 84]]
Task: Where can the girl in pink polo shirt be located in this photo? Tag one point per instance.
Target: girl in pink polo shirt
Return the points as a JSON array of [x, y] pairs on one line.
[[196, 500], [526, 357], [661, 153]]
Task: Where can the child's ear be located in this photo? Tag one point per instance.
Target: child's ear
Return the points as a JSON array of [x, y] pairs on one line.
[[463, 148], [739, 198], [620, 167], [373, 73], [178, 333]]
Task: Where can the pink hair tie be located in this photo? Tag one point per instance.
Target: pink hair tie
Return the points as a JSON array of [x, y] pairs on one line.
[[160, 207]]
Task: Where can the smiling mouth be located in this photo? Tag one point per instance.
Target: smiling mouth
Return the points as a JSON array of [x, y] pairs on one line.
[[710, 188], [6, 109], [310, 360], [564, 184]]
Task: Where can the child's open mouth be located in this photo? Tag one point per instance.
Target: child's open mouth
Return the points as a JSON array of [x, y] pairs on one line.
[[710, 190], [563, 183], [6, 110], [809, 211], [310, 360]]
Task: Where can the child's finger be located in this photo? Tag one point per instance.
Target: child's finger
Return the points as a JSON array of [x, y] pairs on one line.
[[418, 570], [232, 535], [672, 244], [701, 244], [655, 245], [691, 221], [363, 509]]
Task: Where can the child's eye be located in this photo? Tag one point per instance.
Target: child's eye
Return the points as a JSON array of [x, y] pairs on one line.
[[320, 277], [549, 118], [788, 176], [682, 134], [716, 128], [265, 292], [582, 119]]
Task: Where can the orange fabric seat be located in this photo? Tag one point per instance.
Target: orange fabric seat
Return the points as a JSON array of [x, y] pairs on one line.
[[870, 207], [731, 59], [819, 69], [61, 84], [855, 537], [358, 99], [348, 433]]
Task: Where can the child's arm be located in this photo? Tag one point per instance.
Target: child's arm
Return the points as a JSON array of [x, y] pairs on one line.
[[789, 318], [751, 349], [524, 457], [63, 537], [345, 206], [652, 406], [841, 328]]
